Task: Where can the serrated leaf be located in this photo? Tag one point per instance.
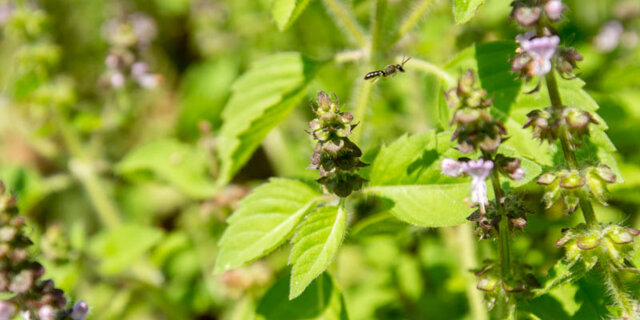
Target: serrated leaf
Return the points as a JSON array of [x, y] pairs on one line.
[[407, 175], [285, 12], [117, 249], [264, 220], [315, 244], [182, 165], [262, 98], [464, 10], [436, 205], [563, 272], [322, 300]]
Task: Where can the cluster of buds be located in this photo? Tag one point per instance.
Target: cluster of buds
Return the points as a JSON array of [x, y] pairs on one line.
[[612, 243], [528, 13], [569, 185], [492, 282], [475, 127], [536, 52], [128, 38], [335, 156], [548, 124], [487, 222], [20, 274]]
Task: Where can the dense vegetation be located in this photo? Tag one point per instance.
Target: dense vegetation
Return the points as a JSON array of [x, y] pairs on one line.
[[227, 159]]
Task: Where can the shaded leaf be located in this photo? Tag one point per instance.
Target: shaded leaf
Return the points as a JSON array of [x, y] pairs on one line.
[[322, 300], [315, 244], [119, 248], [265, 219], [261, 99], [182, 165]]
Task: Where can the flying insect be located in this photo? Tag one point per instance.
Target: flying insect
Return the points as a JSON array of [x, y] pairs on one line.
[[388, 71]]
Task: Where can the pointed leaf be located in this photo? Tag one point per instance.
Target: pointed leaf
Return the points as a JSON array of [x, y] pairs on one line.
[[285, 12], [464, 10], [261, 99], [315, 245], [265, 219], [322, 300]]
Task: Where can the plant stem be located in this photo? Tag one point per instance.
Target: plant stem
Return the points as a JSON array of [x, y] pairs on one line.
[[429, 67], [411, 20], [344, 18], [503, 226], [377, 24], [361, 107], [465, 247], [567, 146], [81, 167], [618, 292]]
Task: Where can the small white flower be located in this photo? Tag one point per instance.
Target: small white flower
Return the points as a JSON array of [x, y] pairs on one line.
[[517, 175], [451, 167], [46, 313], [117, 80], [479, 170], [554, 9], [541, 50], [6, 310], [609, 36]]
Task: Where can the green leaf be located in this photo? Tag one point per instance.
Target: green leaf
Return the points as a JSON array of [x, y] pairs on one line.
[[436, 205], [464, 10], [203, 92], [117, 249], [265, 219], [315, 245], [322, 300], [545, 307], [261, 99], [407, 174], [285, 12], [563, 272], [182, 165]]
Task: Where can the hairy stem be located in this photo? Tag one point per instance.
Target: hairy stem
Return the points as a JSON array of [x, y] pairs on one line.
[[503, 226], [377, 24], [618, 292], [567, 145], [411, 20], [82, 169], [429, 67], [344, 18]]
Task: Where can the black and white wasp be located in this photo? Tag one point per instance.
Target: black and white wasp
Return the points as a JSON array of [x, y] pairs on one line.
[[389, 70]]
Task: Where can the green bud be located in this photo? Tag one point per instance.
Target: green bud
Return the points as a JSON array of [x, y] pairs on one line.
[[571, 179], [488, 284], [588, 241], [546, 178]]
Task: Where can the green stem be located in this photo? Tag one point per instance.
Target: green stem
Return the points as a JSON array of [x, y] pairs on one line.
[[411, 20], [618, 292], [468, 260], [567, 146], [83, 170], [503, 226], [361, 107], [344, 18], [377, 26], [429, 67]]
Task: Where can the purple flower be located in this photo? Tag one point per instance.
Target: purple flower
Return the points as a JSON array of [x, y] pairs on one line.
[[479, 170], [541, 50], [609, 36], [6, 310], [79, 310]]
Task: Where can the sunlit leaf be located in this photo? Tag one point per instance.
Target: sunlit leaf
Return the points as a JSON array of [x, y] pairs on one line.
[[261, 99], [285, 12], [464, 10], [182, 165], [265, 219], [315, 244], [322, 300]]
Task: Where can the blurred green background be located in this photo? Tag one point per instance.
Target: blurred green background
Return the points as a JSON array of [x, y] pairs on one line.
[[115, 172]]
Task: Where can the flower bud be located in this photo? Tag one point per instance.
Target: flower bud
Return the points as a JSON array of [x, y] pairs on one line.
[[526, 16], [79, 311], [554, 9], [488, 284], [588, 241], [571, 179]]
